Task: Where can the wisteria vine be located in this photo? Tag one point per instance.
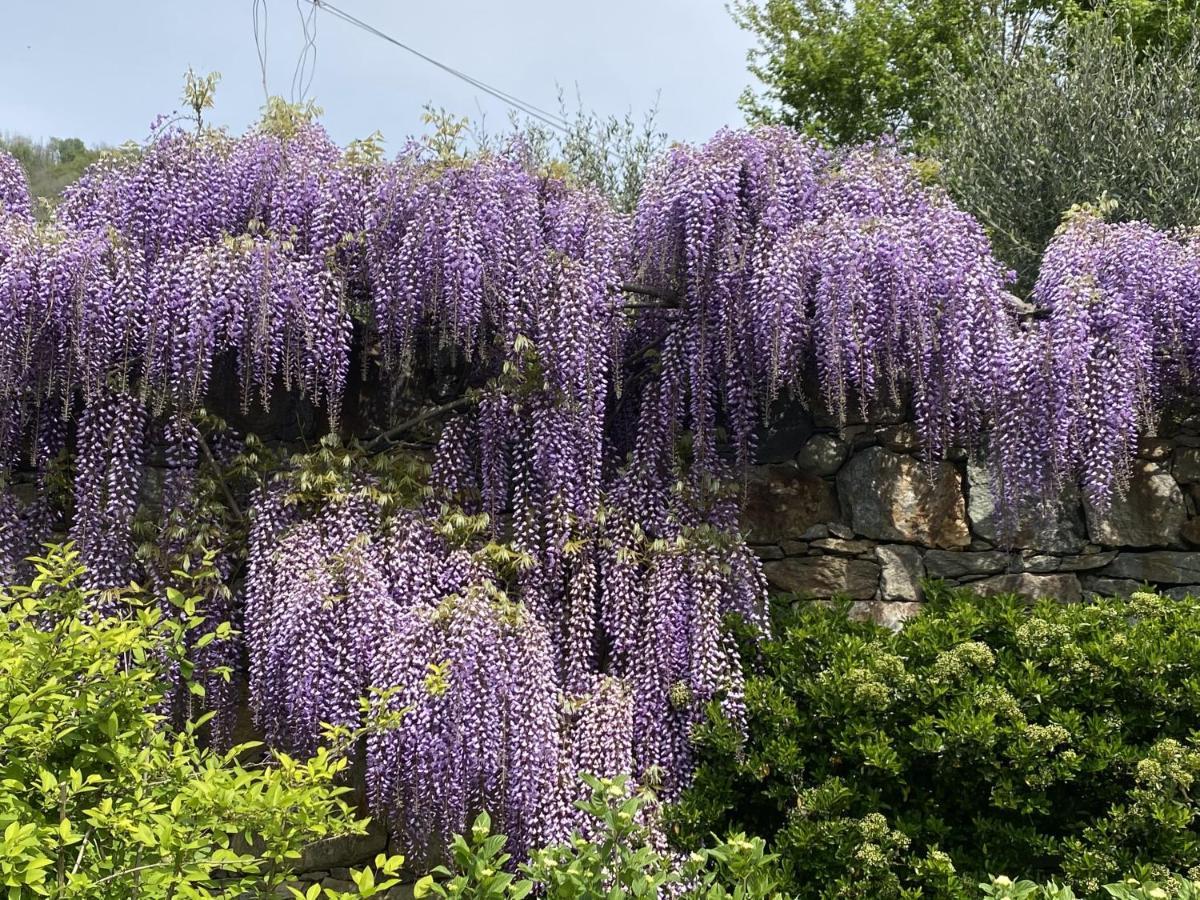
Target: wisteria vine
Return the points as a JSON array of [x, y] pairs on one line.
[[551, 599]]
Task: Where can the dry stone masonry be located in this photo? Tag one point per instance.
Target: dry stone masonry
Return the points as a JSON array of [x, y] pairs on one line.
[[858, 512]]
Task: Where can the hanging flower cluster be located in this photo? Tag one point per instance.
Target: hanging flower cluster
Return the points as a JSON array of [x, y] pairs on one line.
[[343, 604], [14, 191], [791, 262], [110, 456], [1122, 338]]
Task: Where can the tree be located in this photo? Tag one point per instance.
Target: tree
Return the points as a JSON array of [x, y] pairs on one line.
[[1097, 115], [850, 71], [1149, 23], [50, 165]]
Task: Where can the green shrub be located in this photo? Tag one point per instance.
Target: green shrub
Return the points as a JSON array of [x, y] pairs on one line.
[[1055, 741], [99, 799], [621, 856], [1004, 888]]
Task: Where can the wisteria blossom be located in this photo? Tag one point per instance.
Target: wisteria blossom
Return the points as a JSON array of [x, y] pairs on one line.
[[1122, 338], [554, 603], [14, 190]]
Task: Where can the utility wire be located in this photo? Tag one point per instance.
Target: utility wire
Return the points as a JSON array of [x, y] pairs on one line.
[[544, 116], [260, 43], [306, 65]]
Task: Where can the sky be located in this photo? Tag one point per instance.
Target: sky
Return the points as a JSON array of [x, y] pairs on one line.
[[102, 71]]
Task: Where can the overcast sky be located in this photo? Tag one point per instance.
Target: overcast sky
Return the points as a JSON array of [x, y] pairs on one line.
[[101, 70]]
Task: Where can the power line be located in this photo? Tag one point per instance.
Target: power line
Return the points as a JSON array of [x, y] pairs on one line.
[[306, 65], [535, 112], [260, 44]]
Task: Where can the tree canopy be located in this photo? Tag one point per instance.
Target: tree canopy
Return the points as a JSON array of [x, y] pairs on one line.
[[850, 71]]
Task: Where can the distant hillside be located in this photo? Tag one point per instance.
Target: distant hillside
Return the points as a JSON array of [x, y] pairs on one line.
[[50, 165]]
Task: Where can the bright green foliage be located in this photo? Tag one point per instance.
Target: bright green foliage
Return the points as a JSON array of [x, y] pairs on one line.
[[99, 799], [988, 736], [479, 868], [1004, 888], [1150, 23], [369, 881], [621, 857], [849, 72], [198, 93], [620, 853]]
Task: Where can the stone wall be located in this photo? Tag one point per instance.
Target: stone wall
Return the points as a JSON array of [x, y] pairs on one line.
[[856, 511]]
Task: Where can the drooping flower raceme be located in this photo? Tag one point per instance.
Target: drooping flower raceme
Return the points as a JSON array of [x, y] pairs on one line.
[[112, 446], [14, 190], [341, 605], [790, 261], [1122, 337]]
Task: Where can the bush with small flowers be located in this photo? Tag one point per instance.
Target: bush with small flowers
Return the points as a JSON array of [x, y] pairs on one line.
[[990, 735], [1004, 888]]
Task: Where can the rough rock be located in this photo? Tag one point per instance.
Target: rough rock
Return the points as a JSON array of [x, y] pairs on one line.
[[1068, 563], [780, 440], [1109, 587], [1063, 587], [1056, 527], [291, 416], [150, 491], [1187, 465], [26, 492], [840, 547], [839, 530], [859, 436], [891, 615], [1159, 566], [768, 551], [823, 454], [1153, 448], [782, 503], [345, 851], [900, 572], [902, 438], [1019, 306], [1150, 514], [1190, 532], [889, 496], [815, 533], [824, 576], [960, 564]]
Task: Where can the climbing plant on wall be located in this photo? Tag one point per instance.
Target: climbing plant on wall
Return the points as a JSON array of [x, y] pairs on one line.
[[542, 583]]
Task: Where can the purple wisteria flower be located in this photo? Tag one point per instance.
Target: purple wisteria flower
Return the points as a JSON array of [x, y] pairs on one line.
[[581, 629]]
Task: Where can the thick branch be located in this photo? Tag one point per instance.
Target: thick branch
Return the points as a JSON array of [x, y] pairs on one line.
[[665, 307], [221, 482], [662, 300], [668, 298], [386, 437]]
